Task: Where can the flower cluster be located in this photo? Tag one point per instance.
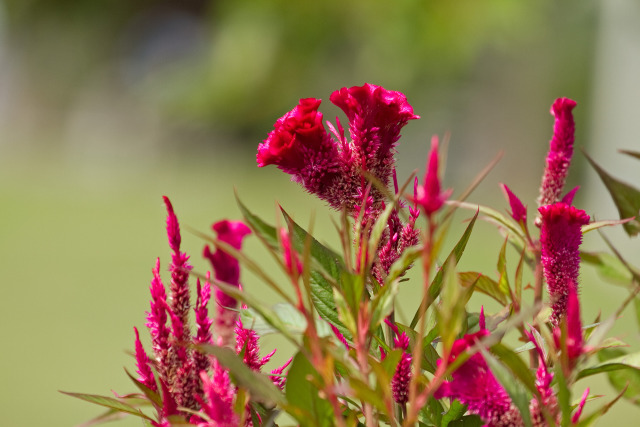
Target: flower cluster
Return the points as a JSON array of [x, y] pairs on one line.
[[183, 382]]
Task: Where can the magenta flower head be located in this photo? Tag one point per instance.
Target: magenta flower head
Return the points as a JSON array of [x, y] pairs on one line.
[[474, 385], [226, 269], [560, 238], [560, 153], [300, 146], [518, 210], [402, 376], [429, 196], [376, 116]]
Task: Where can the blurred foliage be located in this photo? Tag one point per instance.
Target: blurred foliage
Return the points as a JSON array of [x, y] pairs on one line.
[[232, 64]]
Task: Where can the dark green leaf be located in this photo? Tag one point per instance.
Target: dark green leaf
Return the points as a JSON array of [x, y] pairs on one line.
[[302, 394], [467, 421], [516, 365], [108, 402], [456, 254], [259, 385], [625, 197], [322, 297], [153, 396]]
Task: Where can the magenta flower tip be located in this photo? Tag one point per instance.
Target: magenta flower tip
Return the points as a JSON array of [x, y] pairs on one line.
[[173, 228], [481, 320], [373, 102], [583, 400], [518, 210], [574, 339], [429, 196], [562, 107], [568, 198]]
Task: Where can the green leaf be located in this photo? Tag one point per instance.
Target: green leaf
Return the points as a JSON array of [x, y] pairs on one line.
[[495, 217], [153, 396], [516, 365], [455, 412], [436, 284], [303, 395], [514, 388], [264, 231], [625, 197], [290, 317], [329, 260], [259, 385], [484, 284], [257, 304], [451, 312], [606, 223], [108, 402], [622, 379], [608, 266], [467, 421], [322, 297], [382, 303], [626, 361], [402, 264], [503, 281]]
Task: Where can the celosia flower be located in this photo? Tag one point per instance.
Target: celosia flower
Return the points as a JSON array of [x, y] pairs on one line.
[[219, 395], [574, 342], [278, 379], [402, 376], [518, 210], [226, 269], [429, 196], [333, 169], [247, 346], [157, 323], [583, 400], [300, 146], [144, 365], [474, 385], [560, 153], [560, 238], [203, 324], [376, 116]]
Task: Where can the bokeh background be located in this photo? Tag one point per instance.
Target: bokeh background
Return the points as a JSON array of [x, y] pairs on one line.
[[106, 106]]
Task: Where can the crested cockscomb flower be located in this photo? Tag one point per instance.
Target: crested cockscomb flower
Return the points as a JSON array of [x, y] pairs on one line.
[[143, 363], [429, 196], [560, 238], [300, 146], [332, 169], [226, 269], [376, 116], [560, 153], [518, 210]]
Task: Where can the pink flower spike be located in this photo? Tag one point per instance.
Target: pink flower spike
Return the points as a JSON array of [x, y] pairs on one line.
[[560, 152], [560, 238], [277, 378], [583, 400], [574, 339], [143, 363], [518, 210], [219, 396], [247, 346], [173, 228], [430, 197], [482, 324], [157, 323]]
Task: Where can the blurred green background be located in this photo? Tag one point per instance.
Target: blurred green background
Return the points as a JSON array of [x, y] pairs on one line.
[[106, 106]]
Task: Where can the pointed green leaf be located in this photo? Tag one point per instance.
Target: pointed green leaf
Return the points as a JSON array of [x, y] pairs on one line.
[[259, 385], [264, 231], [626, 361], [301, 393], [608, 266], [625, 197], [402, 264], [108, 402], [322, 297], [503, 281], [622, 378], [153, 396], [382, 303], [484, 284], [456, 254], [455, 412]]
